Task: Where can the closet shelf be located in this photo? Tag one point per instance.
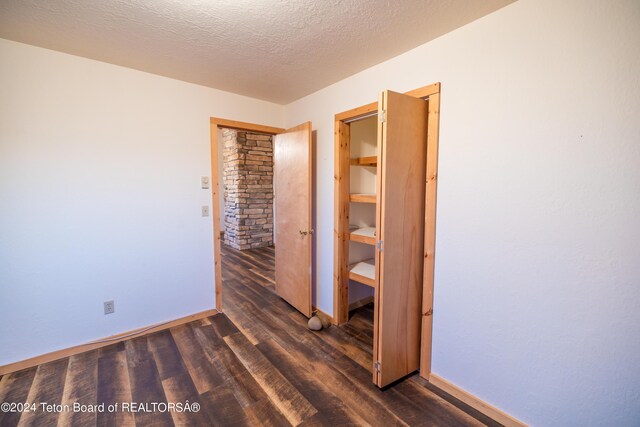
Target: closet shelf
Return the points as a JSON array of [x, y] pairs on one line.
[[365, 235], [364, 272], [365, 161], [362, 198]]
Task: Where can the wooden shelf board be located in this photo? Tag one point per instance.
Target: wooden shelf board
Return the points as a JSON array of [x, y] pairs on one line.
[[365, 235], [364, 272], [365, 161], [362, 198], [362, 279]]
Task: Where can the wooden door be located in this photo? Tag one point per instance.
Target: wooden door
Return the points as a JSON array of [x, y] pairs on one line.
[[293, 228], [402, 144]]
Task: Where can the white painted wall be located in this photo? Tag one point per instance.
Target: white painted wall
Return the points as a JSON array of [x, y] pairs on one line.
[[537, 286], [100, 197]]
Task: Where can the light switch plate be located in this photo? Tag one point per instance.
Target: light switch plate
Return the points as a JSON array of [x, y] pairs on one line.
[[204, 181], [205, 211]]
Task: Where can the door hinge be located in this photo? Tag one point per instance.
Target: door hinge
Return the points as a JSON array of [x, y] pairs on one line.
[[376, 366], [379, 246], [383, 116]]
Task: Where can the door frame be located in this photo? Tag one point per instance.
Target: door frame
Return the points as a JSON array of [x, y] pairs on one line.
[[340, 296], [215, 124]]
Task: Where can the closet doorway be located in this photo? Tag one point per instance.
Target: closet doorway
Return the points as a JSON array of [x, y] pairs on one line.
[[262, 206], [385, 203]]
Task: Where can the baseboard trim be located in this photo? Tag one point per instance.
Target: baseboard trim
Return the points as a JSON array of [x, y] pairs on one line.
[[361, 303], [113, 339], [475, 402]]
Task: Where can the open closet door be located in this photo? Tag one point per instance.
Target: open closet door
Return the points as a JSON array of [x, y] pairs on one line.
[[402, 144], [293, 230]]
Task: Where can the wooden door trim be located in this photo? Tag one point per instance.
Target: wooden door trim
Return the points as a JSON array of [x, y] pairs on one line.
[[252, 127], [425, 91], [215, 124], [433, 129], [340, 299], [355, 113], [341, 222]]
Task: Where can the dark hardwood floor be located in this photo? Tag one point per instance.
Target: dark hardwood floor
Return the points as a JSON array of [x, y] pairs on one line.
[[257, 364]]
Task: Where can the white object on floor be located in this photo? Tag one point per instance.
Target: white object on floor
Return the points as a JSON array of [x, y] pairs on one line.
[[315, 324]]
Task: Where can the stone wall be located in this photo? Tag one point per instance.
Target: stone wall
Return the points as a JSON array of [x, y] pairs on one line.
[[248, 189]]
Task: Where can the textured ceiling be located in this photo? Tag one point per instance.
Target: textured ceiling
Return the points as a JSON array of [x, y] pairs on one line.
[[277, 50]]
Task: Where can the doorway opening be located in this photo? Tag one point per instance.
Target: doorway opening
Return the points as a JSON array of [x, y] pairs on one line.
[[363, 152], [262, 198], [246, 195], [231, 177]]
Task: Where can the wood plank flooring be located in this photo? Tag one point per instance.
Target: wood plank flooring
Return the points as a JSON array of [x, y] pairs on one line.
[[257, 364]]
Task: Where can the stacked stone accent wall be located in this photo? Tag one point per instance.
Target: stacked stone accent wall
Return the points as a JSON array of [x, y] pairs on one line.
[[248, 189]]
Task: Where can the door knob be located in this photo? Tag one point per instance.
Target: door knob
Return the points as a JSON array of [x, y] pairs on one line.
[[305, 232]]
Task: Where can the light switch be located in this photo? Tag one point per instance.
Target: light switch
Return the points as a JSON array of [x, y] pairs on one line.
[[205, 211], [205, 182]]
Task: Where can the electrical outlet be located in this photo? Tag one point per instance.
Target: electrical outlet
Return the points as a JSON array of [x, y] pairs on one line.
[[205, 211], [109, 307], [204, 181]]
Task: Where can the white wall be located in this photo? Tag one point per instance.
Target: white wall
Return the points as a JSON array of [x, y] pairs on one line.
[[537, 286], [100, 197]]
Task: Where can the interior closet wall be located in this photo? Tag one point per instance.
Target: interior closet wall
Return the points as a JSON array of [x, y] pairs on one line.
[[536, 296], [364, 135]]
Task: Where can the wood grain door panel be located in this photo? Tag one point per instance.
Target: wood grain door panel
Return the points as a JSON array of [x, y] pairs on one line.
[[402, 143], [293, 203]]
